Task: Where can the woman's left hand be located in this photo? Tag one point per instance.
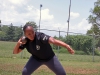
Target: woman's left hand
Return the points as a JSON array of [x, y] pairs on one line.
[[71, 51]]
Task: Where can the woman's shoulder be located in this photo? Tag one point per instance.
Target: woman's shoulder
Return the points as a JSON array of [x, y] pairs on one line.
[[38, 34]]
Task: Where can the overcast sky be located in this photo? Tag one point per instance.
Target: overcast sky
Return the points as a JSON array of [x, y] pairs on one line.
[[54, 14]]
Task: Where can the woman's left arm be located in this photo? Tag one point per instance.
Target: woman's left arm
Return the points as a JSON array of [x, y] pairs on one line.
[[61, 43]]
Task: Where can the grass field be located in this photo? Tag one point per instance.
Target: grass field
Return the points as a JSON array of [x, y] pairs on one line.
[[11, 64]]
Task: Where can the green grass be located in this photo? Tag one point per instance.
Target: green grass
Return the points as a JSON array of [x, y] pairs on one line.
[[11, 64]]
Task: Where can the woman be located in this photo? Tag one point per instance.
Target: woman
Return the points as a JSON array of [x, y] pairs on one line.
[[38, 44]]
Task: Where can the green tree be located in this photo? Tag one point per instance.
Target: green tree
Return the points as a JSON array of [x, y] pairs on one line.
[[4, 29], [2, 36], [10, 33], [80, 43], [94, 19], [94, 30], [17, 33]]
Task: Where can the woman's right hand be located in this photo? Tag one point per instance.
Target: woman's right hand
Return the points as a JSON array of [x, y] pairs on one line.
[[22, 40], [19, 41], [16, 48]]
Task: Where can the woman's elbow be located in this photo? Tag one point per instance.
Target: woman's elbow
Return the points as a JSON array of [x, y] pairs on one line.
[[16, 52], [51, 40]]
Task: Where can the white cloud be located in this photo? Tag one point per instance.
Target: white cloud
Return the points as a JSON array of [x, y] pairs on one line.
[[17, 2], [11, 12], [74, 15], [81, 27], [45, 15]]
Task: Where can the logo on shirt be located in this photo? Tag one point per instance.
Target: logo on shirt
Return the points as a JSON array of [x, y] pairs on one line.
[[45, 38], [37, 47]]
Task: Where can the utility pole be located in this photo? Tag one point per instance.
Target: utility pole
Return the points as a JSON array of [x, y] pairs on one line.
[[40, 17], [68, 18]]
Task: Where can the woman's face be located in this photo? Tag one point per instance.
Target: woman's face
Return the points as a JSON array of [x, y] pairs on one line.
[[29, 33]]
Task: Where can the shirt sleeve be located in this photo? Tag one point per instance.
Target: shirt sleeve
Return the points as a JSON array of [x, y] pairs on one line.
[[44, 38], [22, 47]]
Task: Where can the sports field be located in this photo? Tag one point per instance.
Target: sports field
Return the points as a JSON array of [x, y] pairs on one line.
[[73, 64]]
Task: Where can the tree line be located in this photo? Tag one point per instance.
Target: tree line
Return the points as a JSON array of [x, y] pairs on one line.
[[10, 32], [13, 33]]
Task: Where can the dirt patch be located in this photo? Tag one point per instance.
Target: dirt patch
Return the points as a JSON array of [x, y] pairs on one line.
[[11, 67], [80, 70], [71, 70]]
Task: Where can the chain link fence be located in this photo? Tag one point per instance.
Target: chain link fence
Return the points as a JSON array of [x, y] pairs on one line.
[[77, 64]]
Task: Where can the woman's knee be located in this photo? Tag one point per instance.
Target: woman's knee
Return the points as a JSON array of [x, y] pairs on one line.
[[25, 72]]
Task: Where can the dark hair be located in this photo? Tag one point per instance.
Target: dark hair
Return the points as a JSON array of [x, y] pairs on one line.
[[26, 25]]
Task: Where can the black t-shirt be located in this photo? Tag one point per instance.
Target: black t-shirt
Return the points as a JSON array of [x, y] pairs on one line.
[[39, 47]]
